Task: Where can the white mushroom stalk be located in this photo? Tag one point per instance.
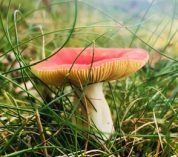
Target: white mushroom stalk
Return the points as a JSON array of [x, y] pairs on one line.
[[98, 110]]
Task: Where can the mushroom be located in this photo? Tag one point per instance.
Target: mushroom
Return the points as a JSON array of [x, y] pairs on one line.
[[92, 66]]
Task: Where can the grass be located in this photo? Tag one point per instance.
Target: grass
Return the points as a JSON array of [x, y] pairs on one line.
[[36, 119]]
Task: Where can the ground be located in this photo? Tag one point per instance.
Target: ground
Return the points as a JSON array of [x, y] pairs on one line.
[[37, 119]]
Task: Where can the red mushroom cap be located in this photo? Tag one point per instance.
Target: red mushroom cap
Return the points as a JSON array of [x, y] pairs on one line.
[[77, 64]]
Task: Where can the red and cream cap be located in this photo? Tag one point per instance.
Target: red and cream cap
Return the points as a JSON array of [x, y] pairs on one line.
[[98, 64]]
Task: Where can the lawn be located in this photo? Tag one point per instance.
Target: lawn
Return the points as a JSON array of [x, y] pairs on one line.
[[38, 119]]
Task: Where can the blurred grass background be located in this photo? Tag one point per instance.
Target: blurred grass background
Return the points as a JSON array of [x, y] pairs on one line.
[[35, 119]]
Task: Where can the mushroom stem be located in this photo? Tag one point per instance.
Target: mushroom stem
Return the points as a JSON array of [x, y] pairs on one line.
[[98, 110]]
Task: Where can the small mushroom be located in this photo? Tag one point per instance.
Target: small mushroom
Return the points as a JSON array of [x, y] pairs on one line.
[[92, 65]]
